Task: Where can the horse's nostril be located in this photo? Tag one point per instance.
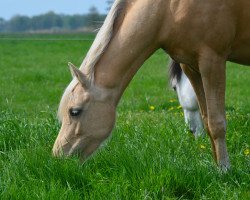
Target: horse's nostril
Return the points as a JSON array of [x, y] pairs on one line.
[[57, 150]]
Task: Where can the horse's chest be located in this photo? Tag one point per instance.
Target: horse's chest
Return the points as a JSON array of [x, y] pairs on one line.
[[240, 52]]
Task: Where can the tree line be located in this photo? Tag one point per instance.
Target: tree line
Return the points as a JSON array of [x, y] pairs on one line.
[[53, 22]]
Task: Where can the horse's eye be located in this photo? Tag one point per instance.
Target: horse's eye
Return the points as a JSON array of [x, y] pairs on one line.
[[74, 112]]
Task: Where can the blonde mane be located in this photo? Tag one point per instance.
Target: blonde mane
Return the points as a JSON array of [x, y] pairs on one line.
[[102, 40], [95, 52]]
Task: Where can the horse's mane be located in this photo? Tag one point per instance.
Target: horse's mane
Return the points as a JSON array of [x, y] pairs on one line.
[[95, 52], [175, 72], [102, 39]]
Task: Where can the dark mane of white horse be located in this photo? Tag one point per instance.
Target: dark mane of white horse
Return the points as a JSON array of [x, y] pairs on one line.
[[175, 72]]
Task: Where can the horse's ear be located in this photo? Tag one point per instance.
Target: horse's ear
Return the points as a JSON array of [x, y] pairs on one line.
[[82, 78]]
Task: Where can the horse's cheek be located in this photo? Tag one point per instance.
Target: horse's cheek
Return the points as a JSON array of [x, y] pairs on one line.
[[100, 120]]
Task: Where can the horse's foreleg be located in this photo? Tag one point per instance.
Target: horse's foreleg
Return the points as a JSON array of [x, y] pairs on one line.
[[212, 69], [196, 81]]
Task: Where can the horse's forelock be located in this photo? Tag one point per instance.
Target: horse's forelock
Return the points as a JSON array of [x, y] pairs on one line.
[[65, 98]]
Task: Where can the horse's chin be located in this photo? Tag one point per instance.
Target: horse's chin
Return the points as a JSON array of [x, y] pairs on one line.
[[84, 153]]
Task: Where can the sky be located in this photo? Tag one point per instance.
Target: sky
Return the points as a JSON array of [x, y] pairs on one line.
[[9, 8]]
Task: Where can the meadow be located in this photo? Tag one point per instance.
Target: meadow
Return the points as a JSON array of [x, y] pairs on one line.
[[151, 154]]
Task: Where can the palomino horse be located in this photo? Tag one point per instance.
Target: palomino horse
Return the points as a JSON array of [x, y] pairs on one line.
[[187, 98], [202, 35]]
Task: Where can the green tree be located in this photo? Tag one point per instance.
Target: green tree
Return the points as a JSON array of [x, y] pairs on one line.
[[18, 24], [51, 20], [2, 24], [47, 21], [77, 21], [93, 18]]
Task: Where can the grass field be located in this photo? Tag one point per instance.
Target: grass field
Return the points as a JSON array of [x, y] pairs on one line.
[[151, 154]]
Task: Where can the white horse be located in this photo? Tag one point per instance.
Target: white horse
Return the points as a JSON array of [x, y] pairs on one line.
[[187, 98]]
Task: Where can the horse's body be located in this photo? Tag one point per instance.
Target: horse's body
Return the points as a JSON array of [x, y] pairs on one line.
[[187, 98], [202, 35]]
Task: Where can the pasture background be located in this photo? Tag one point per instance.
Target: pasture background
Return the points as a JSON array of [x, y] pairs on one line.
[[151, 154]]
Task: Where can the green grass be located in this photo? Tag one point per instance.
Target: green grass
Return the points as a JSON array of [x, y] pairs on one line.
[[151, 154]]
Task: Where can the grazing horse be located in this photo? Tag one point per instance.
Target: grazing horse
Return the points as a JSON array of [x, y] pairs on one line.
[[187, 98], [202, 35]]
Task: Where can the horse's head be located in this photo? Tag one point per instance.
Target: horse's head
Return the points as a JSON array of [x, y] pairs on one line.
[[189, 103], [87, 117]]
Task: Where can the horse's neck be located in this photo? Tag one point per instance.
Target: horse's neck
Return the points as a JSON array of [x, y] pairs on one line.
[[134, 41], [119, 64]]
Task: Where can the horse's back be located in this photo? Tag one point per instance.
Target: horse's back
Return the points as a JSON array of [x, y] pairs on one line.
[[220, 25], [241, 45]]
